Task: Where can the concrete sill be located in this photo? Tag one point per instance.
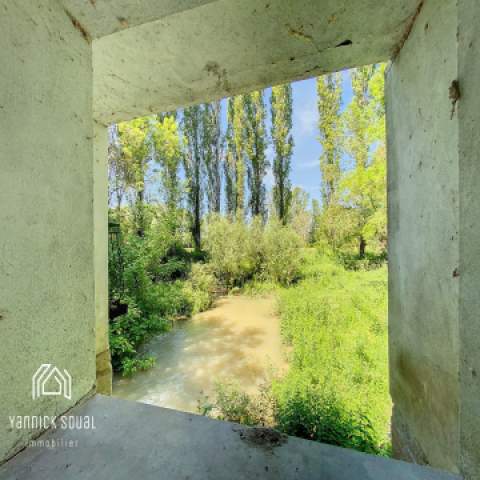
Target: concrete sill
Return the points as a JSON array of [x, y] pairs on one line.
[[137, 441]]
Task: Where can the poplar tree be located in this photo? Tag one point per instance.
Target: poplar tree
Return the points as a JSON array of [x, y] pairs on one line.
[[329, 90], [255, 145], [281, 131], [234, 166], [364, 187], [168, 154], [135, 141], [359, 115], [118, 169], [192, 163], [213, 147]]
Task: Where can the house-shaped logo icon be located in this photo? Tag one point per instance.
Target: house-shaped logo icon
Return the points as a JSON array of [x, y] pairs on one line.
[[48, 380]]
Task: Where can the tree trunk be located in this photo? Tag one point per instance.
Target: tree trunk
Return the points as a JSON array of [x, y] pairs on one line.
[[197, 214], [140, 214], [362, 246]]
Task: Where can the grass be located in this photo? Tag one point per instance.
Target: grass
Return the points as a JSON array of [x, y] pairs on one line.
[[336, 323]]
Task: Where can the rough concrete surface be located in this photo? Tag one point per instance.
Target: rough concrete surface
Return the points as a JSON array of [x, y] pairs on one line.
[[134, 440], [424, 256], [100, 206], [231, 46], [104, 17], [47, 305], [469, 271]]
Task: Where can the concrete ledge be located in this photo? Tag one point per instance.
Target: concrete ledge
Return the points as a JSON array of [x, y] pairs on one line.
[[134, 440]]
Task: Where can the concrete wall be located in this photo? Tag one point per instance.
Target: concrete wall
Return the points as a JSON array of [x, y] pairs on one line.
[[469, 171], [424, 241], [100, 202], [47, 303]]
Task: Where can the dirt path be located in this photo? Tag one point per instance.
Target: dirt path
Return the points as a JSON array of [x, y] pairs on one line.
[[237, 339]]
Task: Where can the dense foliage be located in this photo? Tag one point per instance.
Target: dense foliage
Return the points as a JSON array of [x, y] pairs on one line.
[[147, 282], [253, 251]]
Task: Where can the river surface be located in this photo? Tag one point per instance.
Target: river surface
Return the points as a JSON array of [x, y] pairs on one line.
[[239, 339]]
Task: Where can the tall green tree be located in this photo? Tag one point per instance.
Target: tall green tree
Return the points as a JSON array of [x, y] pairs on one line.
[[192, 126], [281, 131], [329, 90], [359, 115], [118, 169], [213, 150], [255, 145], [300, 218], [316, 220], [135, 142], [234, 165], [363, 188], [168, 154]]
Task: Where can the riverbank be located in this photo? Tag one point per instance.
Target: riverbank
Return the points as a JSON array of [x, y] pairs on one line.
[[334, 325]]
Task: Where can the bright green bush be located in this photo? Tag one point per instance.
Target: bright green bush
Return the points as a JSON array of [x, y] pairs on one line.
[[234, 405], [239, 251], [233, 253], [129, 331], [315, 413], [157, 279], [199, 289], [281, 253], [145, 275], [133, 365]]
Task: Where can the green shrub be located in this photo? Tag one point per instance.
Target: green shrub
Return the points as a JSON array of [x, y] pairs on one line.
[[199, 289], [232, 251], [129, 331], [354, 262], [234, 405], [281, 253], [133, 365], [238, 251], [149, 281], [316, 414]]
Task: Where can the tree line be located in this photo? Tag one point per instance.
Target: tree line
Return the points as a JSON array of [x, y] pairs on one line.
[[206, 166]]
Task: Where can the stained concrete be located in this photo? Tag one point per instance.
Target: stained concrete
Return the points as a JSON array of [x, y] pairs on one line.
[[100, 207], [469, 267], [426, 189], [134, 440], [104, 17], [47, 305], [231, 46]]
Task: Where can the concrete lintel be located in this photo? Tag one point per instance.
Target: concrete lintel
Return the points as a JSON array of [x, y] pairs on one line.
[[228, 47]]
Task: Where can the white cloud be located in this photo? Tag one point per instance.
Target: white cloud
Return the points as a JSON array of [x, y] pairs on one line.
[[305, 120], [315, 163]]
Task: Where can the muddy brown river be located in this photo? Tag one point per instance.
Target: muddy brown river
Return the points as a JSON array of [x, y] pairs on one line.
[[239, 339]]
